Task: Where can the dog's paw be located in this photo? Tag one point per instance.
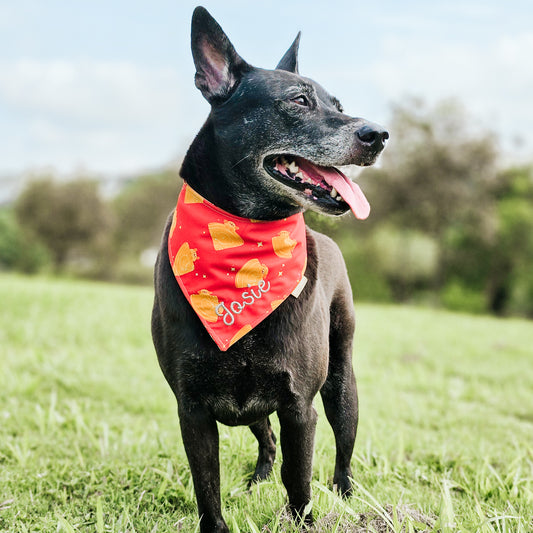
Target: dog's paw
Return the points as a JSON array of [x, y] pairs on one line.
[[302, 515], [342, 485]]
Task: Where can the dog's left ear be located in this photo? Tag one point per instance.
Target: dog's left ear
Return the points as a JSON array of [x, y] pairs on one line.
[[289, 61], [218, 66]]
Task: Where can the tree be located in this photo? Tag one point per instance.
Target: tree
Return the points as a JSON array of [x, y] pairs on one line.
[[436, 172], [435, 178], [19, 251], [142, 208], [510, 280], [66, 217]]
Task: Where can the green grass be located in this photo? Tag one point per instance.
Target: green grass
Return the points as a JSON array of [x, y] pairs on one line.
[[89, 438]]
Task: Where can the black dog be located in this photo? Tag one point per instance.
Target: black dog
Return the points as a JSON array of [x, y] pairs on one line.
[[269, 135]]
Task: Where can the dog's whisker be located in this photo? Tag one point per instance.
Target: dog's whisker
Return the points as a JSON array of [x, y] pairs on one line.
[[241, 160]]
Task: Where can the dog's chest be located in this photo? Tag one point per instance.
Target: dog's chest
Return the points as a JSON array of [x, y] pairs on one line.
[[266, 373], [247, 391]]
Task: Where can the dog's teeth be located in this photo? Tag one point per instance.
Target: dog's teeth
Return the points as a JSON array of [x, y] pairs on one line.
[[333, 193], [293, 167], [299, 175], [339, 198]]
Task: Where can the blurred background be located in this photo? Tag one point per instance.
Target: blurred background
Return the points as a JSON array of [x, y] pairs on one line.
[[98, 106]]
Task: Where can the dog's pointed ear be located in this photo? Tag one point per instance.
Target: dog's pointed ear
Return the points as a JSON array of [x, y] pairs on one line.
[[289, 61], [218, 66]]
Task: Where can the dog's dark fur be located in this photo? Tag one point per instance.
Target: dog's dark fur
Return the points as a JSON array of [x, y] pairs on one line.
[[305, 346]]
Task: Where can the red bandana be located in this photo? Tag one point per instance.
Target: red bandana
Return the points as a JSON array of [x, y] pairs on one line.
[[234, 271]]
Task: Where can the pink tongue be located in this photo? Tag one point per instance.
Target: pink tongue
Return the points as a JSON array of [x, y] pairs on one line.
[[350, 192]]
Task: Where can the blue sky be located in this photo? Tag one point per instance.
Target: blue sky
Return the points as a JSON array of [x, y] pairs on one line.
[[107, 86]]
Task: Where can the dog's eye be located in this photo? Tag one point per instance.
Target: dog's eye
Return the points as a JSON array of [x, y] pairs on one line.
[[301, 100]]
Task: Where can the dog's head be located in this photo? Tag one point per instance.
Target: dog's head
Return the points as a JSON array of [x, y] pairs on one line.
[[278, 132]]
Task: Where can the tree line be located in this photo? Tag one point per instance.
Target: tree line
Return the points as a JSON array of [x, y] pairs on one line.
[[449, 225]]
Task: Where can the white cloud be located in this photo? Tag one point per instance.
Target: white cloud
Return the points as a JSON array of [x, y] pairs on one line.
[[118, 116], [494, 82], [90, 91], [105, 116]]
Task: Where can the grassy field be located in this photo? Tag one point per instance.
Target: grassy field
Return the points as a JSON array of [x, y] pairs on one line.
[[89, 438]]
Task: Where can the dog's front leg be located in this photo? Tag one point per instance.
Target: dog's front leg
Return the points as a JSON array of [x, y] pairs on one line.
[[297, 443], [339, 395], [200, 436], [339, 392]]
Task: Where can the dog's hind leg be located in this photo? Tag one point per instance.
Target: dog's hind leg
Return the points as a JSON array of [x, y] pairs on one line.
[[200, 437], [339, 392], [267, 449]]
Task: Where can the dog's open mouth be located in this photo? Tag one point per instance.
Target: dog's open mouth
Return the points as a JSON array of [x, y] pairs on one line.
[[327, 186]]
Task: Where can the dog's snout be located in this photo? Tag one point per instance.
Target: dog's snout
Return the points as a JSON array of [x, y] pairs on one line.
[[373, 135]]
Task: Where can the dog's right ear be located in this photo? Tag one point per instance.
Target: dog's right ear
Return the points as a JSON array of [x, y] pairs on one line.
[[218, 66], [289, 61]]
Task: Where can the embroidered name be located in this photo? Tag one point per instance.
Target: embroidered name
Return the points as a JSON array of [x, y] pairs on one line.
[[248, 298]]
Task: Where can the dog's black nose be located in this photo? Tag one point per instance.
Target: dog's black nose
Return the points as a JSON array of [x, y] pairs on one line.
[[373, 135]]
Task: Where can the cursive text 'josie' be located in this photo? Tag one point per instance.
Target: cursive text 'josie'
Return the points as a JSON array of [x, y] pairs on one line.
[[249, 296]]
